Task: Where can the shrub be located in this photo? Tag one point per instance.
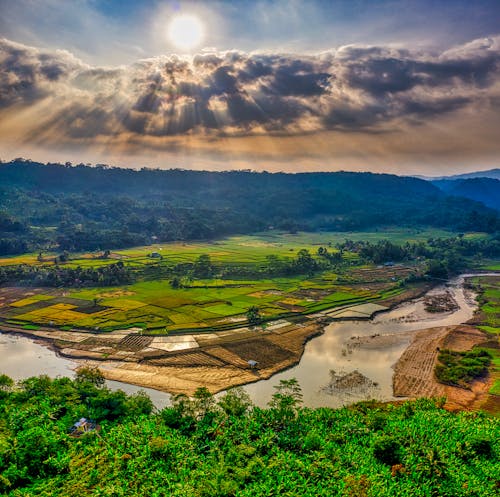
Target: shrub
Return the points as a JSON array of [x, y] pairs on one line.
[[387, 450]]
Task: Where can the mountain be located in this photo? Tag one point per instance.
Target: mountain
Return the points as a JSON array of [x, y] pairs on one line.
[[485, 190], [81, 207], [490, 173]]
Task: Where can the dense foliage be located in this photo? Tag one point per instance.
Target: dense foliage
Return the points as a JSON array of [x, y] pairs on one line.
[[460, 368], [486, 190], [89, 208], [61, 276], [204, 447]]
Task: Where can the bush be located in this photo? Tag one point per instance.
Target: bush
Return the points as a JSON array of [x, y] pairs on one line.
[[387, 450], [460, 368]]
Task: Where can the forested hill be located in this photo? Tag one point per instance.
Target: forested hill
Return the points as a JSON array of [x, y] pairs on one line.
[[485, 190], [86, 208], [57, 178]]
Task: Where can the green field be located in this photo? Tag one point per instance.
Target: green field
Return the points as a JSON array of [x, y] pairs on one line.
[[152, 304], [155, 305], [489, 301], [248, 248]]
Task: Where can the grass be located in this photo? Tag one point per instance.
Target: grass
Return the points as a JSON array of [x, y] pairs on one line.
[[495, 371], [489, 301]]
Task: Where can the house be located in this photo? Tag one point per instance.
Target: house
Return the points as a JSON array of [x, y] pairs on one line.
[[83, 426], [155, 255], [252, 364]]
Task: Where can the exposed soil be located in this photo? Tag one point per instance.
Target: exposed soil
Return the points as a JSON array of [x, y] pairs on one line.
[[410, 294], [311, 293], [414, 372], [443, 302], [348, 382]]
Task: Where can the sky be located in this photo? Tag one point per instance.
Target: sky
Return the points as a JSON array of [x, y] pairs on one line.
[[407, 87]]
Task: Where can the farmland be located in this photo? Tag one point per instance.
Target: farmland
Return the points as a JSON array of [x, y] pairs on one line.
[[152, 304], [489, 321]]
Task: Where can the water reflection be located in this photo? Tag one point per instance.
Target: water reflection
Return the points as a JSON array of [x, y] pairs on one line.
[[343, 348], [374, 358], [21, 358]]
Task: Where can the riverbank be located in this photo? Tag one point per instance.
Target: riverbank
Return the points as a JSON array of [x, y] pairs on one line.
[[414, 371], [348, 340]]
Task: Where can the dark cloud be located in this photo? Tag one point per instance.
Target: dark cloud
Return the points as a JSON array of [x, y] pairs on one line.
[[364, 89]]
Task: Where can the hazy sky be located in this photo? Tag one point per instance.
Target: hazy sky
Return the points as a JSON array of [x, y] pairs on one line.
[[399, 86]]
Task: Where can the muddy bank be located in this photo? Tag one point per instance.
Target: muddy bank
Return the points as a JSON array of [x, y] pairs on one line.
[[414, 371]]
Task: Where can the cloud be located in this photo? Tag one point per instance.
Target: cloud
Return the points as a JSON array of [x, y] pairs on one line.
[[53, 97]]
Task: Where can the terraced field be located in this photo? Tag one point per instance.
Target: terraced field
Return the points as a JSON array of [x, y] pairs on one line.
[[153, 305]]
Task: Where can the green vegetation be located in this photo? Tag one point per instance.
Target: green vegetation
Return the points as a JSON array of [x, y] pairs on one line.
[[460, 368], [203, 447], [488, 288], [64, 208], [209, 286]]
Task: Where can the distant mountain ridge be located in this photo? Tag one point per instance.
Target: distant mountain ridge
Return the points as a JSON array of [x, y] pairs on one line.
[[490, 173], [485, 190]]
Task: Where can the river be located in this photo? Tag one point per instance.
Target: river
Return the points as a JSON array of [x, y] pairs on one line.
[[335, 350]]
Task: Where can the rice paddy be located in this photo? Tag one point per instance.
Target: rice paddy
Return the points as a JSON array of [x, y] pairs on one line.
[[154, 306]]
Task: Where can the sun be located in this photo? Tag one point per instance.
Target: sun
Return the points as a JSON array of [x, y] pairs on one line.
[[186, 31]]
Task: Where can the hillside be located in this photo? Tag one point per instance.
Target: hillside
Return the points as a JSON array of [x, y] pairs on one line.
[[87, 208], [485, 190], [204, 448], [490, 173]]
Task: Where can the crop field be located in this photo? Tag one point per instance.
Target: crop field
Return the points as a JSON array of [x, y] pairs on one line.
[[153, 305], [252, 249], [490, 317]]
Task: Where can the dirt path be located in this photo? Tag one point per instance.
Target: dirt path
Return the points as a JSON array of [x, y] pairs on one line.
[[414, 372]]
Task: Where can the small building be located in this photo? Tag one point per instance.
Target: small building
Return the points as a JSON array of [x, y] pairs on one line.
[[83, 426], [155, 255], [252, 364]]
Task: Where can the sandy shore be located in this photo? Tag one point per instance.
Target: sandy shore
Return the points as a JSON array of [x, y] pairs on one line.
[[414, 372]]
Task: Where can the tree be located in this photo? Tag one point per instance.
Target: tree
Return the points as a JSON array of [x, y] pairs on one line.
[[90, 374], [253, 316], [202, 267], [304, 262], [287, 398], [236, 402], [6, 384]]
